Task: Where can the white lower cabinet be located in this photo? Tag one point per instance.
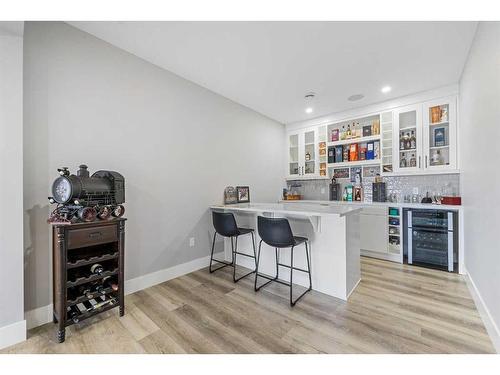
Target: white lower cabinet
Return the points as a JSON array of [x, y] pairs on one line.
[[373, 229]]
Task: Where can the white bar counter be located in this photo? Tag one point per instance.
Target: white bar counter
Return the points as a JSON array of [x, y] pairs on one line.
[[333, 233]]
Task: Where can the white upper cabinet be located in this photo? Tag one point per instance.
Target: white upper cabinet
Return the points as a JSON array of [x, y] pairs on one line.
[[415, 139], [426, 137], [303, 153], [407, 141], [440, 134]]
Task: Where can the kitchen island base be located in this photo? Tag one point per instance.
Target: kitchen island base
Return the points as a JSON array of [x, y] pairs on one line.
[[334, 247]]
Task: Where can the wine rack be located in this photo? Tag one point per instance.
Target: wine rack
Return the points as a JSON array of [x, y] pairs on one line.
[[80, 293]]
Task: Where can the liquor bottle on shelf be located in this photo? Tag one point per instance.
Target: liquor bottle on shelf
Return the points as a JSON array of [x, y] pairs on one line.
[[413, 140], [348, 132], [358, 130], [402, 162], [345, 153], [342, 133], [98, 269], [407, 141], [413, 161], [401, 142]]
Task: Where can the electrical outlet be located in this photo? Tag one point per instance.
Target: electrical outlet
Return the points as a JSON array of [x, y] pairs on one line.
[[191, 242], [415, 190]]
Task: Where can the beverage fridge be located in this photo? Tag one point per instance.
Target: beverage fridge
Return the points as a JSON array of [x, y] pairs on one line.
[[431, 238]]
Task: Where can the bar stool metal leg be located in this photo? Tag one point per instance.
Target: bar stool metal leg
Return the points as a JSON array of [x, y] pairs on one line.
[[292, 302], [225, 264], [257, 274], [235, 252], [308, 265]]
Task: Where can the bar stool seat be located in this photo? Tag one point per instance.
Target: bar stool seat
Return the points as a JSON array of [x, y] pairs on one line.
[[242, 231], [276, 232], [298, 240], [225, 225]]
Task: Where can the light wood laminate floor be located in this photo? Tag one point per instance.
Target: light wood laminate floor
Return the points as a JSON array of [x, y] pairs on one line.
[[395, 309]]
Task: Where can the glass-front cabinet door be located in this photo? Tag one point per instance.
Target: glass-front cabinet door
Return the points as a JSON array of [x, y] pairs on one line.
[[440, 136], [407, 151], [303, 153], [293, 155], [309, 153]]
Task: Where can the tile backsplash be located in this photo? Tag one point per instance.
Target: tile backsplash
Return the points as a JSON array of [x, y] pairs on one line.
[[400, 186]]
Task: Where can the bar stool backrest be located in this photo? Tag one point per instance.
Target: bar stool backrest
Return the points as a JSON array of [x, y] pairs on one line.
[[275, 232], [224, 223]]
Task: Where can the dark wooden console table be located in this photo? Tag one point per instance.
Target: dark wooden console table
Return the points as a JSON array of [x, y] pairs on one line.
[[79, 291]]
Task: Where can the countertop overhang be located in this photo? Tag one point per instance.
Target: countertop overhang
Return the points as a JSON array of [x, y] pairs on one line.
[[429, 206], [305, 209]]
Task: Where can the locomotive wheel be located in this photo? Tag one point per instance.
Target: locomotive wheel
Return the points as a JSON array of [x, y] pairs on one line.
[[118, 211], [104, 212], [87, 214]]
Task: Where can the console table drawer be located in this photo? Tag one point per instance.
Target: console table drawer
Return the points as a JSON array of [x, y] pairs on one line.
[[92, 236]]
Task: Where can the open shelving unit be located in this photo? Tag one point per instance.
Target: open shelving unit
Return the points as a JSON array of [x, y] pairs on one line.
[[78, 292], [367, 130], [394, 230]]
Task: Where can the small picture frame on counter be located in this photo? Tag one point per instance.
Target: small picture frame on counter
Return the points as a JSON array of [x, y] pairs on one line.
[[243, 194], [230, 196]]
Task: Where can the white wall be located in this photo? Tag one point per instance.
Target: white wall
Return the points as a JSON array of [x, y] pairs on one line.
[[480, 154], [177, 144], [11, 169]]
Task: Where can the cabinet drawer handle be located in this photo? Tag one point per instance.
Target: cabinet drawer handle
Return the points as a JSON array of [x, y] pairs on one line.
[[420, 162], [425, 161]]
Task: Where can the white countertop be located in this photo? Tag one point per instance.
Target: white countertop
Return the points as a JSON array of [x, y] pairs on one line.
[[375, 204], [307, 208]]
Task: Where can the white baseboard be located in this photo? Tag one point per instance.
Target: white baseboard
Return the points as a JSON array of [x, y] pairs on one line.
[[384, 256], [43, 315], [12, 334], [158, 277], [38, 317], [485, 314]]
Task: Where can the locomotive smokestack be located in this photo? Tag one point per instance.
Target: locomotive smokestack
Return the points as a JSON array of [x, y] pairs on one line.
[[82, 171]]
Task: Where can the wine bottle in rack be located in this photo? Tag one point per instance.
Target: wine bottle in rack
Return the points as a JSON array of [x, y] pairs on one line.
[[110, 282], [74, 314], [96, 269], [85, 290]]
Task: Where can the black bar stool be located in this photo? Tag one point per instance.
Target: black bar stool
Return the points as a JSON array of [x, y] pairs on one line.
[[276, 232], [225, 225]]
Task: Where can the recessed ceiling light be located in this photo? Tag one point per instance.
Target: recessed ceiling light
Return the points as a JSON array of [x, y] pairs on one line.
[[355, 97], [309, 110], [386, 89]]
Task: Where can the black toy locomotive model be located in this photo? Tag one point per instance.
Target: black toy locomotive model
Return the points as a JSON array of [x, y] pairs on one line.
[[84, 198]]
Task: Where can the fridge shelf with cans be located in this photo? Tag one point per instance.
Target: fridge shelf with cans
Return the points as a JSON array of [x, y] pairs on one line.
[[394, 230]]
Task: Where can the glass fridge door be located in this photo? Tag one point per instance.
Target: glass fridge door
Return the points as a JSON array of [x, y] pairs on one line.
[[430, 247]]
